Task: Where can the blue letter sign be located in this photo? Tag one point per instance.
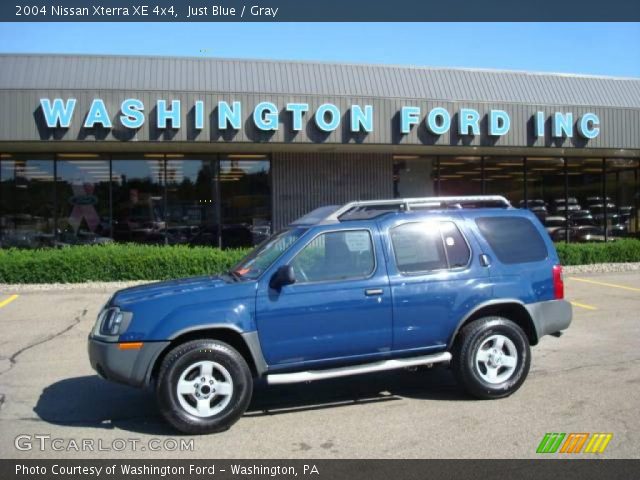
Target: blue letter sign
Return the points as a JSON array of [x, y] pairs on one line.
[[589, 125], [97, 114], [361, 119], [57, 112]]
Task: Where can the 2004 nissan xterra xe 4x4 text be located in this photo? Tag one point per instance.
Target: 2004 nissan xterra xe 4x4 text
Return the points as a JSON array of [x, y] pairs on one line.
[[345, 290]]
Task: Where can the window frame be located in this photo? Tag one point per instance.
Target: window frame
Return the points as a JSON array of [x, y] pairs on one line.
[[371, 274], [448, 268]]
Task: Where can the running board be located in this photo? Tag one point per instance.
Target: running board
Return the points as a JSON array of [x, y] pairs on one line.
[[393, 364]]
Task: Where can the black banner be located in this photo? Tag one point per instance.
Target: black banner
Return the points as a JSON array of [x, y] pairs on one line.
[[577, 469], [317, 11]]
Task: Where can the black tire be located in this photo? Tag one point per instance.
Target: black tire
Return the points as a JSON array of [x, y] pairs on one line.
[[470, 374], [178, 360]]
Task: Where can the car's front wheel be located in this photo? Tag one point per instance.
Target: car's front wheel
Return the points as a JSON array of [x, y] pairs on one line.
[[204, 386], [491, 357]]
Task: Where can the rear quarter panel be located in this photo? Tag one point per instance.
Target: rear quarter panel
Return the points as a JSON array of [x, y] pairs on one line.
[[528, 282]]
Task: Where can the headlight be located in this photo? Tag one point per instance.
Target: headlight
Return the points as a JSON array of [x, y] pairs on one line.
[[111, 321]]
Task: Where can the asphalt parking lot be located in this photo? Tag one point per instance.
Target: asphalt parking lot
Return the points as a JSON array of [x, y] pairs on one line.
[[586, 381]]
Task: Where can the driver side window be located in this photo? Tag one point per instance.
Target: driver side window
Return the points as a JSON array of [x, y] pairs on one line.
[[334, 256]]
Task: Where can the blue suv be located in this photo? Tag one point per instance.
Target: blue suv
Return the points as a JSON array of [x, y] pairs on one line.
[[344, 290]]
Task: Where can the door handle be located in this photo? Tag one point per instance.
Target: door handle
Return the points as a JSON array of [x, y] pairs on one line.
[[485, 260], [370, 292]]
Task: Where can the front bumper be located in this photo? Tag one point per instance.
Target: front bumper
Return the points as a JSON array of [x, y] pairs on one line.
[[550, 317], [131, 367]]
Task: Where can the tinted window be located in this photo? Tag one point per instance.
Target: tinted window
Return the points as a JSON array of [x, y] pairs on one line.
[[245, 196], [83, 201], [27, 201], [191, 211], [513, 239], [418, 247], [455, 245], [335, 256], [138, 200]]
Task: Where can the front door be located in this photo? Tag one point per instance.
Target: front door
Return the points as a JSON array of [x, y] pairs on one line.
[[339, 306]]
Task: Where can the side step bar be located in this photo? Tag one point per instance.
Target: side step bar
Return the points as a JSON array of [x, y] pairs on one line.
[[393, 364]]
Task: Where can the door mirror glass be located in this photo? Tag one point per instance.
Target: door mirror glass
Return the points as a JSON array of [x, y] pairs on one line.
[[283, 276]]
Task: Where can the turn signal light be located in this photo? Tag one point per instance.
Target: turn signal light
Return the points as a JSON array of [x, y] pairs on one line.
[[130, 345]]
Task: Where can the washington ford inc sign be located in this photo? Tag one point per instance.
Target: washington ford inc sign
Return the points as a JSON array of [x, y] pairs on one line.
[[59, 113]]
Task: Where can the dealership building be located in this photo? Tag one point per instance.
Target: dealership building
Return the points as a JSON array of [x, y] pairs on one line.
[[204, 151]]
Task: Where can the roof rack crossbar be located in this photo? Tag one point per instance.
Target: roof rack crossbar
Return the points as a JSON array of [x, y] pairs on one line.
[[406, 204]]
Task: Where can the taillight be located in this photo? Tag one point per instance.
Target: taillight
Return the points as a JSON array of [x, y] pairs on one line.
[[558, 282]]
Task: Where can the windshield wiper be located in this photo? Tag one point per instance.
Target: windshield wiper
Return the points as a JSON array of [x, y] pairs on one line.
[[234, 275]]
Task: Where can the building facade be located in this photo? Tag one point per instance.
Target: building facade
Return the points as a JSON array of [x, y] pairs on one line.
[[221, 152]]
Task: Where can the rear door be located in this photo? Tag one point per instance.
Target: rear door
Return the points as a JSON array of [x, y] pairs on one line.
[[435, 276]]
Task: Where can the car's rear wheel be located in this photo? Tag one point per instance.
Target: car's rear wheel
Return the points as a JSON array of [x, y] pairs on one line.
[[491, 357], [204, 386]]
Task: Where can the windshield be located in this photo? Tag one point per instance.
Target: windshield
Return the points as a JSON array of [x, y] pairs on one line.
[[265, 254]]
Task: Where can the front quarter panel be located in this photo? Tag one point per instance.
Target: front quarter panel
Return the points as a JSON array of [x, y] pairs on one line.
[[168, 317]]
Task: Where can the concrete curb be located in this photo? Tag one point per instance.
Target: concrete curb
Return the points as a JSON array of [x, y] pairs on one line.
[[603, 268], [108, 287]]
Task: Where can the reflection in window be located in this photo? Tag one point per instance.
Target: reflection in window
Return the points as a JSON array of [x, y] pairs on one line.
[[266, 253], [418, 248], [504, 176], [27, 201], [83, 199], [460, 176], [414, 176], [138, 199], [191, 210], [245, 195], [585, 209], [622, 190], [545, 193]]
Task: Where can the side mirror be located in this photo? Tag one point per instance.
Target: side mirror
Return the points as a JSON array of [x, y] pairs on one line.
[[283, 276]]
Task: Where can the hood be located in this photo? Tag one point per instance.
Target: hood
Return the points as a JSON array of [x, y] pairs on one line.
[[158, 290]]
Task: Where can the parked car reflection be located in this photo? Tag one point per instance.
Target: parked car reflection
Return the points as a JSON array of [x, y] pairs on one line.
[[580, 234]]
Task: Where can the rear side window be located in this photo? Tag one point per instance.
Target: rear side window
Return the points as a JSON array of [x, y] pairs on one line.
[[422, 247], [513, 239], [455, 245], [418, 247]]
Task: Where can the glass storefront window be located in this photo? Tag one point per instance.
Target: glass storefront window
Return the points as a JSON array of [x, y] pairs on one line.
[[226, 201], [245, 196], [414, 176], [139, 199], [191, 201], [622, 189], [27, 198], [460, 176], [545, 193], [505, 176], [586, 200], [83, 213]]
